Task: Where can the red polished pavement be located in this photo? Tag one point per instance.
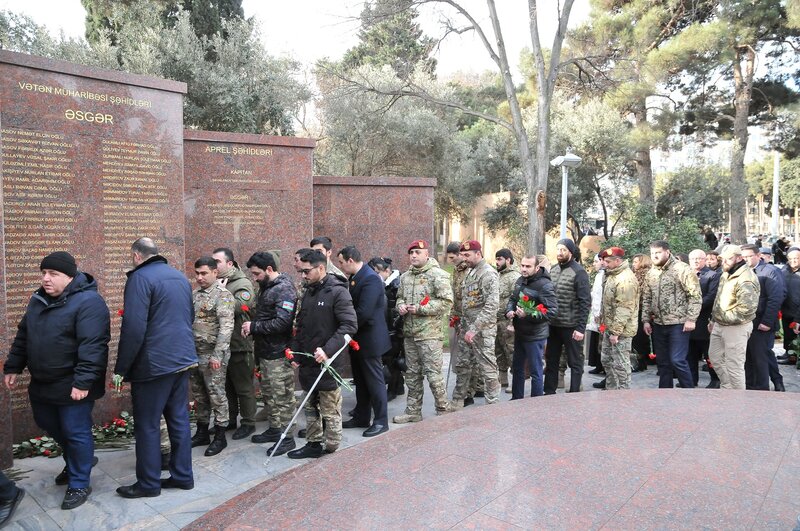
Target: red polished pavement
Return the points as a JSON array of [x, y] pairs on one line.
[[640, 459]]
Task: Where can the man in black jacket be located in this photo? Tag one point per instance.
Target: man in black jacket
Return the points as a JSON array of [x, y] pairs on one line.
[[574, 295], [791, 305], [156, 351], [326, 315], [272, 331], [369, 301], [63, 341], [700, 338], [532, 289]]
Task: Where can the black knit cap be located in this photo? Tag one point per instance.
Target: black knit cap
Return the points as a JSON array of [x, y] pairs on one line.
[[60, 261]]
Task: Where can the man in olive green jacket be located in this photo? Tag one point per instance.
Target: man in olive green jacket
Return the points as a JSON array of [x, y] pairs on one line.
[[732, 318], [618, 318]]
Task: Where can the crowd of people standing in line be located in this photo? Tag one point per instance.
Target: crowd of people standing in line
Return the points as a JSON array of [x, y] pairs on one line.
[[722, 306]]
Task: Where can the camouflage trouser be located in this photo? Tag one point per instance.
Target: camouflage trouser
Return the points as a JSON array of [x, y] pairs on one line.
[[424, 360], [280, 401], [504, 350], [476, 376], [324, 405], [164, 442], [208, 389], [480, 351], [616, 361], [264, 384]]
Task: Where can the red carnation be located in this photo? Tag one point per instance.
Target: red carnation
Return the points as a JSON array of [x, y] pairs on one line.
[[526, 298], [780, 314], [708, 362], [793, 324], [120, 312], [602, 329], [454, 320], [652, 355], [425, 301], [542, 309], [245, 308], [354, 345], [46, 453], [288, 354]]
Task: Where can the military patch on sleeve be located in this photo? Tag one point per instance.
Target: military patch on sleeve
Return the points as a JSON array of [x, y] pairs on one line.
[[287, 305], [245, 295]]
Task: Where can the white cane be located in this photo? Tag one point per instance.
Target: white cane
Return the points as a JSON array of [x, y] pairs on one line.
[[327, 363]]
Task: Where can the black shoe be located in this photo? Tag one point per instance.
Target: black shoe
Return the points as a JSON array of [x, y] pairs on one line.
[[713, 384], [351, 412], [469, 401], [302, 433], [780, 387], [287, 444], [75, 498], [311, 450], [353, 424], [596, 370], [218, 444], [390, 397], [600, 385], [169, 483], [135, 491], [8, 507], [231, 426], [791, 360], [201, 437], [479, 394], [243, 431], [375, 429], [270, 435], [63, 478], [165, 461]]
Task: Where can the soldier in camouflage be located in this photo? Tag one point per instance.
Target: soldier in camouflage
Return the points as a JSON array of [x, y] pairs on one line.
[[424, 298], [504, 344], [213, 327], [479, 305], [239, 382], [671, 302], [732, 318], [618, 318], [460, 270]]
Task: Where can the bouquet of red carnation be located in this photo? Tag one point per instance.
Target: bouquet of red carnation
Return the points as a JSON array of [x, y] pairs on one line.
[[530, 307]]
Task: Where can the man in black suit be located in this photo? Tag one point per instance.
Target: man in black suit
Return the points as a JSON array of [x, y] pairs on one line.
[[369, 300]]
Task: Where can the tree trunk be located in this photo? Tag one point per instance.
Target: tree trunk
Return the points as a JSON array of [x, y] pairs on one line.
[[743, 69], [642, 162]]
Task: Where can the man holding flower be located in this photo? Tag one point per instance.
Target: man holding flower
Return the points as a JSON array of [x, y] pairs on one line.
[[618, 318]]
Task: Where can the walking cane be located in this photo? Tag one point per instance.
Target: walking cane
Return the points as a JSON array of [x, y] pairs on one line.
[[327, 363]]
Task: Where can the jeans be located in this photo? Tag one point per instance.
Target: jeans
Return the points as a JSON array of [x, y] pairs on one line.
[[671, 345], [71, 427], [532, 352]]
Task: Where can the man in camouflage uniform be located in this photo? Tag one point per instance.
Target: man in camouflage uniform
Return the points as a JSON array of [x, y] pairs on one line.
[[239, 382], [504, 344], [618, 318], [479, 305], [460, 270], [424, 298], [671, 302], [732, 318], [213, 326]]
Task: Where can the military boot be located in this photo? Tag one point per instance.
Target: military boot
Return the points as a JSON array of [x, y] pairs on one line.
[[405, 419], [201, 436], [218, 444]]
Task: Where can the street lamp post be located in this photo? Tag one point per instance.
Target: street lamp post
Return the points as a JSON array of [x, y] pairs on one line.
[[566, 161]]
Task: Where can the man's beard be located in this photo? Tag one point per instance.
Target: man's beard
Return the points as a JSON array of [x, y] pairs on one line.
[[502, 267], [563, 259]]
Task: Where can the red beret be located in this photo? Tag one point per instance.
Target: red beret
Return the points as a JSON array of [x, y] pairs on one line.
[[613, 251], [470, 245], [418, 244]]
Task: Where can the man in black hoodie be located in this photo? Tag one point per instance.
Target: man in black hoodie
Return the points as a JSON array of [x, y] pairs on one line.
[[532, 306], [63, 341], [326, 315]]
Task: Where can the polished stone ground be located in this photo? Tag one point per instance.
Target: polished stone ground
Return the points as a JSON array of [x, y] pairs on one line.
[[640, 459]]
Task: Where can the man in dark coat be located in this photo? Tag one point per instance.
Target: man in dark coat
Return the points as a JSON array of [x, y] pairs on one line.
[[63, 341], [326, 315], [156, 351], [369, 301], [700, 338], [791, 305], [760, 362], [530, 331]]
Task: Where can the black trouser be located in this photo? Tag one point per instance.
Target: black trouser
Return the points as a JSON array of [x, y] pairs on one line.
[[7, 488], [239, 388], [559, 338], [370, 389], [395, 385], [757, 365], [788, 334], [594, 349], [698, 351]]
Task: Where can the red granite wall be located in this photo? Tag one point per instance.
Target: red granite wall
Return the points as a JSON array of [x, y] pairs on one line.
[[247, 192], [91, 160], [379, 215]]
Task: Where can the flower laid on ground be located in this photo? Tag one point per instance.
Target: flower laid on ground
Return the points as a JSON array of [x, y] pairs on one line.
[[326, 366], [116, 434], [530, 307], [425, 301], [354, 345]]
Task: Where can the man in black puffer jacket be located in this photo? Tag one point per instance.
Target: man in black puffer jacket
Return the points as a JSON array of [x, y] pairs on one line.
[[272, 331], [326, 315], [63, 341], [533, 289]]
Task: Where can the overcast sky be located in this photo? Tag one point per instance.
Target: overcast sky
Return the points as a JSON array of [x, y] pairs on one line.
[[311, 29]]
